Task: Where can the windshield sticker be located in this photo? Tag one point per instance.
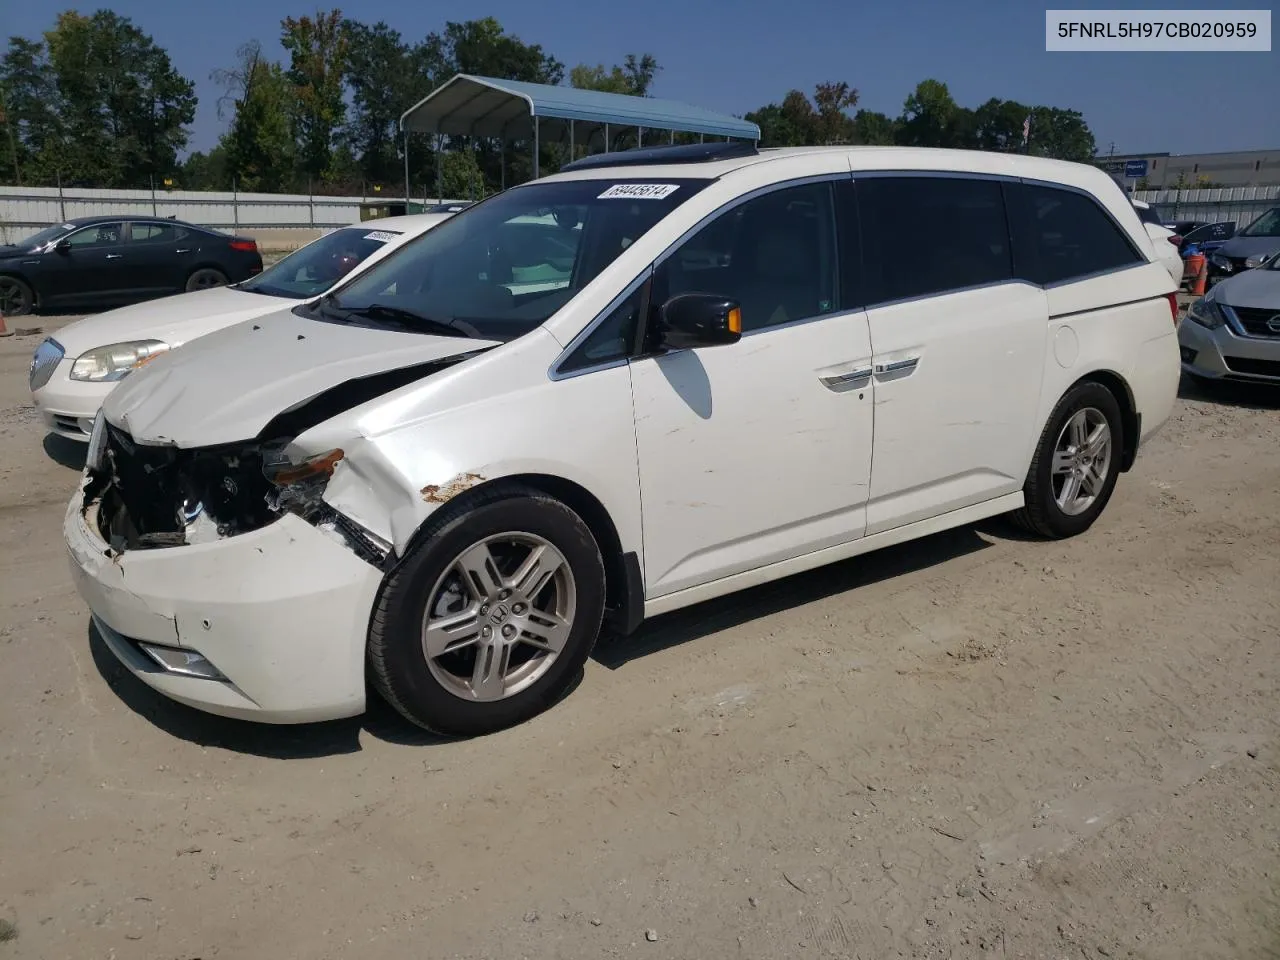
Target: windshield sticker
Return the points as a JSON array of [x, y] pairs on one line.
[[382, 236], [639, 191]]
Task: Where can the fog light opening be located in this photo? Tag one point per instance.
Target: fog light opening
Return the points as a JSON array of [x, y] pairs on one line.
[[1188, 355], [187, 663]]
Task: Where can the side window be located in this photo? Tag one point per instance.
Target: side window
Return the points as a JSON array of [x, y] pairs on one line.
[[98, 235], [775, 255], [927, 235], [613, 339], [153, 233], [1064, 235]]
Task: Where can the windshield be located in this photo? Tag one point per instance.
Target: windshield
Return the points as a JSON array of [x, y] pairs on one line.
[[502, 268], [1267, 225], [44, 236], [320, 264]]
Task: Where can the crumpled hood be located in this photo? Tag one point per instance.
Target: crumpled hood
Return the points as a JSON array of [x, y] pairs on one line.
[[1259, 289], [172, 320], [1248, 246], [227, 386]]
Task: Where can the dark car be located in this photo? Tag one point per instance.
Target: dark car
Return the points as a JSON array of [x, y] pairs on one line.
[[115, 260], [1249, 248]]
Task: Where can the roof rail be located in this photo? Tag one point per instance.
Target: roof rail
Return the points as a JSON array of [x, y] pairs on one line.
[[682, 153]]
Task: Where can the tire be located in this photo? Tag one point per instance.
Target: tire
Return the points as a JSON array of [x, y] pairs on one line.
[[16, 297], [1044, 513], [450, 693], [204, 278]]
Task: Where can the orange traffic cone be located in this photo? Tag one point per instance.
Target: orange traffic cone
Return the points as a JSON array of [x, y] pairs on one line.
[[4, 331], [1202, 277]]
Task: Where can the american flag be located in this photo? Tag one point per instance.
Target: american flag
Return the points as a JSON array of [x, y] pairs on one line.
[[1026, 129]]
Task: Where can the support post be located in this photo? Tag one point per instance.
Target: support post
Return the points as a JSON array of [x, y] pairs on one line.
[[536, 139], [671, 137], [607, 147], [154, 212], [439, 165], [62, 200], [639, 137], [235, 204], [572, 152], [502, 162], [406, 171]]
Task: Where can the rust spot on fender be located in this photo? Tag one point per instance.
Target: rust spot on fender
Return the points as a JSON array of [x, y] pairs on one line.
[[444, 492]]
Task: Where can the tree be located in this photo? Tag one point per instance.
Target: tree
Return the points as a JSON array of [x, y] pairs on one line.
[[833, 101], [998, 125], [96, 101], [317, 48], [634, 77], [1061, 134], [874, 129], [205, 171], [259, 147], [33, 135], [930, 117], [385, 78]]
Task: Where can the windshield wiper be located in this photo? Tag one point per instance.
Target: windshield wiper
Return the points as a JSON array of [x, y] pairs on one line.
[[403, 319]]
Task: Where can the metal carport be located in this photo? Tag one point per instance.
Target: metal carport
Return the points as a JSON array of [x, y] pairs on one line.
[[470, 106]]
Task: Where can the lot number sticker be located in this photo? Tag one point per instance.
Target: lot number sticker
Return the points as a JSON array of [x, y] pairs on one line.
[[639, 191], [381, 236]]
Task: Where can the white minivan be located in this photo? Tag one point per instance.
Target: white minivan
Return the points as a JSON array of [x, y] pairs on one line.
[[72, 371], [651, 379]]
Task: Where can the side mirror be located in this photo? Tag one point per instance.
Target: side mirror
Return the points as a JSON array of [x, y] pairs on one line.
[[63, 246], [699, 320]]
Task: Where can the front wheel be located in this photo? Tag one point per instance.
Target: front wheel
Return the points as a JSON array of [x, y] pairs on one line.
[[490, 618], [16, 298], [1076, 464], [205, 278]]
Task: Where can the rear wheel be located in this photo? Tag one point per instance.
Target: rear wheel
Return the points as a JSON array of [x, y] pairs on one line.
[[16, 298], [204, 278], [491, 616], [1076, 465]]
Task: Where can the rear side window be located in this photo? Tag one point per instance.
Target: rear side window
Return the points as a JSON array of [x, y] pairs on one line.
[[924, 236], [1064, 235]]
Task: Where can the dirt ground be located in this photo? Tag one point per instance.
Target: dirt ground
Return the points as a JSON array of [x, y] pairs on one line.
[[975, 745]]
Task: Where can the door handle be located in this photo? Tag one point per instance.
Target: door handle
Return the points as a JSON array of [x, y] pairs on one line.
[[897, 366], [835, 380], [114, 256], [182, 250]]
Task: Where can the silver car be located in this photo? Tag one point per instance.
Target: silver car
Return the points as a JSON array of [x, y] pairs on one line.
[[1233, 332]]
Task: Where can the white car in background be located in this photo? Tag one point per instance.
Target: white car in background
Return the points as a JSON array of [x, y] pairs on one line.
[[1233, 332], [73, 371], [1163, 239]]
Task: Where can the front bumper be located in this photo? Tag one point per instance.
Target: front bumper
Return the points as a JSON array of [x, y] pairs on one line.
[[1221, 354], [68, 406], [281, 612]]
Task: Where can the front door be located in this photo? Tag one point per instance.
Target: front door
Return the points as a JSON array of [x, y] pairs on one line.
[[959, 347], [92, 270], [759, 451]]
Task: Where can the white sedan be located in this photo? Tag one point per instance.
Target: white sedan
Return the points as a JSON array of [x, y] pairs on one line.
[[73, 372]]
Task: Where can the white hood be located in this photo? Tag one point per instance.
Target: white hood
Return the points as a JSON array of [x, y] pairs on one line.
[[227, 386], [173, 320]]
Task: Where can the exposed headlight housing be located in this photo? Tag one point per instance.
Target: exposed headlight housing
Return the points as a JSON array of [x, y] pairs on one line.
[[1257, 260], [1207, 313], [115, 361], [1222, 263]]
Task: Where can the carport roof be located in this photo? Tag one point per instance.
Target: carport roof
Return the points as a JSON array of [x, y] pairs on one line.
[[486, 107]]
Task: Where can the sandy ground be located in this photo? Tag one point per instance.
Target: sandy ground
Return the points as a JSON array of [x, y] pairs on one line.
[[976, 745]]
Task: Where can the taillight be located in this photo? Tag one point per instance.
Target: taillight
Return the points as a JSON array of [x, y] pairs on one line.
[[249, 246], [1173, 307]]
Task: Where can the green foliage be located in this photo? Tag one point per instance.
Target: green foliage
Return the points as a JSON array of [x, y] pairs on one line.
[[634, 77], [94, 101], [259, 148], [317, 48]]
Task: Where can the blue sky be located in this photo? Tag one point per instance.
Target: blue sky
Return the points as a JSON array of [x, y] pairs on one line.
[[735, 56]]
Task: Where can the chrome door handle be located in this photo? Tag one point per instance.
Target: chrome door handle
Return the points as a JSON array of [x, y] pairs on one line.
[[897, 366], [182, 250], [114, 256], [840, 379]]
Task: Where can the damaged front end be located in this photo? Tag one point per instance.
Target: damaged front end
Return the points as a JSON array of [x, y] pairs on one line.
[[149, 497]]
